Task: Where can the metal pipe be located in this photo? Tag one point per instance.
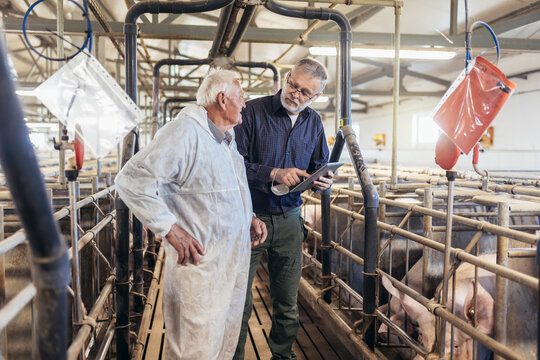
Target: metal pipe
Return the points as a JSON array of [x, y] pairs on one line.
[[15, 305], [501, 284], [231, 21], [371, 233], [224, 16], [325, 253], [389, 3], [92, 233], [440, 311], [95, 258], [106, 343], [344, 45], [240, 30], [49, 257], [20, 236], [122, 279], [451, 176], [86, 330], [266, 65], [399, 332], [75, 263], [474, 224], [334, 321], [171, 100], [155, 106], [174, 108], [426, 273], [60, 54], [156, 83], [137, 250], [518, 189], [395, 108], [147, 314], [460, 254]]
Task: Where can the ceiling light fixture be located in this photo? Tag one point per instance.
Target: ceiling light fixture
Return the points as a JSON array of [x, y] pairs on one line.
[[431, 54], [22, 92]]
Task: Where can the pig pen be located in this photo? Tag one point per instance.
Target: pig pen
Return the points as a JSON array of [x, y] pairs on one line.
[[412, 230]]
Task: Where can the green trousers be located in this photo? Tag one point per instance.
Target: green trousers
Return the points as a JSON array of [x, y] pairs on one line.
[[284, 248]]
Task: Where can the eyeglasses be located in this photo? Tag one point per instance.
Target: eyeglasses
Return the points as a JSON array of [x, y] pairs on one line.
[[302, 92]]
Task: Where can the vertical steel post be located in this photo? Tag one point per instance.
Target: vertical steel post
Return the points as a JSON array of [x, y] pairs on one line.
[[325, 252], [95, 255], [337, 93], [60, 54], [49, 256], [351, 221], [75, 262], [501, 283], [451, 176], [428, 232], [453, 17], [397, 41]]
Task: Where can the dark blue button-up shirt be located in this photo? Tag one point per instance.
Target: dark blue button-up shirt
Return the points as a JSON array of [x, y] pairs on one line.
[[267, 140]]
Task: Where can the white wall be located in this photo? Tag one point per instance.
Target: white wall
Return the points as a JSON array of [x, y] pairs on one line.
[[517, 132]]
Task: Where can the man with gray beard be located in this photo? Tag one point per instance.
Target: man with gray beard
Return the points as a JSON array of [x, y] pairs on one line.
[[282, 140]]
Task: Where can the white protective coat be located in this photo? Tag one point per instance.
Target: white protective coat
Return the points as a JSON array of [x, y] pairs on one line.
[[185, 176]]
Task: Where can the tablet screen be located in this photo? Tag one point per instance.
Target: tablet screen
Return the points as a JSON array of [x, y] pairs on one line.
[[306, 184]]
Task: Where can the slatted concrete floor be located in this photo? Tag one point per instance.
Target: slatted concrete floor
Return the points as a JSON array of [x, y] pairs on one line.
[[312, 343]]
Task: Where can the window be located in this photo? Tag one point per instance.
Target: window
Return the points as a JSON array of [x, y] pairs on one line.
[[424, 130]]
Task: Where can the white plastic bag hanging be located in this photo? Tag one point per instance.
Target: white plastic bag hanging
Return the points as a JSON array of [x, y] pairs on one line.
[[85, 98]]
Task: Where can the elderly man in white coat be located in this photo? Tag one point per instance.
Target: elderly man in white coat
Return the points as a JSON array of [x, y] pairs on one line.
[[189, 186]]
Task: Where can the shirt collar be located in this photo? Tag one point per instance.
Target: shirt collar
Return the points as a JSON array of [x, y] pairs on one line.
[[218, 134]]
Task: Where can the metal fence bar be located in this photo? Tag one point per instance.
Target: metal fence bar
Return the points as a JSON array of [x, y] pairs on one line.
[[19, 237], [523, 279]]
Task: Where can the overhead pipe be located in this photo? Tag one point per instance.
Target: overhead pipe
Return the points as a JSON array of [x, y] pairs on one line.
[[155, 86], [240, 30], [174, 99], [178, 107], [344, 50], [50, 262], [224, 17], [229, 26], [263, 65], [122, 252]]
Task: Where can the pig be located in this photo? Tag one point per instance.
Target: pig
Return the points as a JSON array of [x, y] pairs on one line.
[[397, 312], [464, 308], [312, 218]]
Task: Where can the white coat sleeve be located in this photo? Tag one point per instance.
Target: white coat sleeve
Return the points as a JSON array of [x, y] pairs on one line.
[[167, 158]]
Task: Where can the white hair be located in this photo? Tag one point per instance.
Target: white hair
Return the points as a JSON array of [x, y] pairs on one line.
[[215, 82]]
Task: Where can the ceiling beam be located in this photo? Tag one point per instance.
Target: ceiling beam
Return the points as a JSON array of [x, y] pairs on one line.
[[266, 35], [404, 71]]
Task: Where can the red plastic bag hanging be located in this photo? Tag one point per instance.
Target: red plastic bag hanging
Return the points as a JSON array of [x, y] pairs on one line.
[[472, 102]]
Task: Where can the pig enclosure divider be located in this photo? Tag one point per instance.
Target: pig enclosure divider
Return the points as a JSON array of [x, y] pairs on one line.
[[428, 244]]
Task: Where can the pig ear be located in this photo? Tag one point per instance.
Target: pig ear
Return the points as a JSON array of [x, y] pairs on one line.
[[391, 289], [484, 310], [415, 310]]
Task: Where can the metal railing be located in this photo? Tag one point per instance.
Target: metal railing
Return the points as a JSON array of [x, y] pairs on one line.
[[340, 282]]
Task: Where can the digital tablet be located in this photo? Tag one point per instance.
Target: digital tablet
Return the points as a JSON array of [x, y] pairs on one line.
[[306, 184]]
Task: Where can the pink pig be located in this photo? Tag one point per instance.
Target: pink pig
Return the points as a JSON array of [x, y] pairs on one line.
[[464, 308]]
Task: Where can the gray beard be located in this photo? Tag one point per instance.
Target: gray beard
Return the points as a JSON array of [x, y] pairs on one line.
[[295, 110]]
